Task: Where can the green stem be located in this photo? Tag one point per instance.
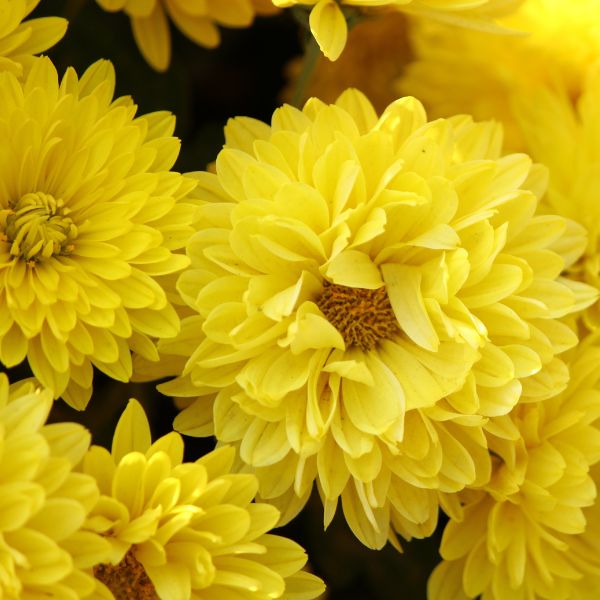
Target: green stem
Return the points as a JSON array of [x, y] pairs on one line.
[[312, 52]]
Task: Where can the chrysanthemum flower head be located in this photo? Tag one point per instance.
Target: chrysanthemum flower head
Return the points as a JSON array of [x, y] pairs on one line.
[[20, 40], [520, 536], [187, 530], [369, 290], [198, 20], [565, 138], [90, 219], [328, 18], [458, 70], [44, 550]]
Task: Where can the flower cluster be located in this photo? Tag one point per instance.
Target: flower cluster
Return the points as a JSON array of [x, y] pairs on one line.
[[374, 300]]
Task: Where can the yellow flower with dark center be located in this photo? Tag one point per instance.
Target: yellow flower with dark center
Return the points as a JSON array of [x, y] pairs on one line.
[[369, 291], [328, 18], [187, 530], [524, 535], [565, 138], [44, 549], [20, 40], [456, 70], [197, 19], [91, 219]]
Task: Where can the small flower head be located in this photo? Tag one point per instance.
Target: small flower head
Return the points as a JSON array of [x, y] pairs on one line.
[[90, 221], [20, 40], [44, 549], [199, 21], [368, 292], [186, 530]]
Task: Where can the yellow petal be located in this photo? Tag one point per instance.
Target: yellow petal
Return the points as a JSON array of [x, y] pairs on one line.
[[328, 25]]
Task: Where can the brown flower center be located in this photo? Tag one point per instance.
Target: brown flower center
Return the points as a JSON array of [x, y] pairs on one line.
[[37, 227], [128, 580], [362, 316]]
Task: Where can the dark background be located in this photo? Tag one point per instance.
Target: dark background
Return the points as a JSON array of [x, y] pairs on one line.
[[203, 88]]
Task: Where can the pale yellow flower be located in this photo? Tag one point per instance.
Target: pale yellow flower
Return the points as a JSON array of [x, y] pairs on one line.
[[181, 530], [524, 535], [461, 71], [369, 291], [20, 40], [197, 19], [44, 550], [91, 219], [328, 18]]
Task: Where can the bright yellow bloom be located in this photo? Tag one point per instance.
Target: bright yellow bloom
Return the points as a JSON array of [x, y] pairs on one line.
[[19, 40], [90, 217], [372, 61], [565, 138], [44, 553], [328, 18], [197, 19], [458, 71], [517, 537], [368, 291], [187, 530]]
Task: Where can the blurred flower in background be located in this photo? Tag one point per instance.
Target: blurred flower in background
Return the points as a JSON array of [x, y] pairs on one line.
[[373, 59], [463, 71], [198, 20]]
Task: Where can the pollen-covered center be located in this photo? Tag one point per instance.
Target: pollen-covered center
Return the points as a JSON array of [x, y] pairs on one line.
[[37, 227], [128, 580], [362, 316]]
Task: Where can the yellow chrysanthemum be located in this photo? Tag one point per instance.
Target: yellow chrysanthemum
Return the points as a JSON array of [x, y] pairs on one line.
[[373, 59], [328, 18], [565, 138], [20, 40], [44, 553], [198, 20], [457, 70], [368, 292], [90, 216], [187, 530], [515, 540]]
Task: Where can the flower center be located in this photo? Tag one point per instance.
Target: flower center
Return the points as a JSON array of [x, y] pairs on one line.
[[362, 316], [37, 227], [128, 580]]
